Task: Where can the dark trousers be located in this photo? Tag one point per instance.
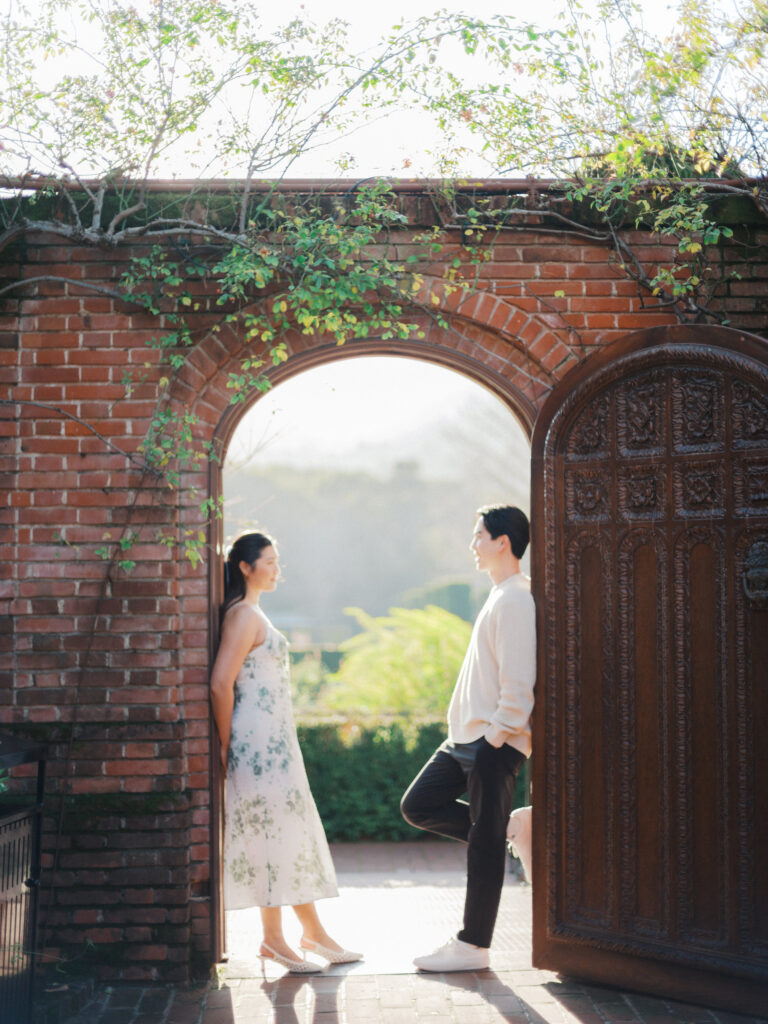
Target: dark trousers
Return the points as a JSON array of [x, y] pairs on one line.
[[431, 803]]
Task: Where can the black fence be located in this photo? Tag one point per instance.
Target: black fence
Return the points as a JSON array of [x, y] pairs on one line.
[[19, 885]]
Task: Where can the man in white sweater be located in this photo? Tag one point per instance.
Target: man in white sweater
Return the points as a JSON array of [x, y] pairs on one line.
[[489, 737]]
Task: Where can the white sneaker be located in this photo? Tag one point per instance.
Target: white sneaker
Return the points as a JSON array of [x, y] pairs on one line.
[[455, 955]]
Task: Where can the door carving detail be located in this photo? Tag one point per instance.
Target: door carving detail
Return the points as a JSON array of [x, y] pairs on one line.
[[589, 434], [641, 493], [651, 581], [699, 489], [697, 411], [641, 420], [750, 414]]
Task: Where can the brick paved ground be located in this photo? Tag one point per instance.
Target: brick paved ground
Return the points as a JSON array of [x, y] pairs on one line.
[[397, 900]]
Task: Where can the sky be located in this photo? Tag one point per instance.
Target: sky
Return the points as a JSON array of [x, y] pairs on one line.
[[370, 412], [399, 147], [366, 413], [373, 414], [356, 414], [369, 20]]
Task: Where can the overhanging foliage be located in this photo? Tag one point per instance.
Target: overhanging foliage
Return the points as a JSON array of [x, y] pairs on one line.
[[637, 130]]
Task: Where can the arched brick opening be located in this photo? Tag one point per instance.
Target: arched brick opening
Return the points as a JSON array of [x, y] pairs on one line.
[[513, 353], [486, 372], [136, 698], [516, 353], [491, 362]]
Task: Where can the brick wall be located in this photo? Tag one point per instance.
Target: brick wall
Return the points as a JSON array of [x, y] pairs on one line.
[[111, 669]]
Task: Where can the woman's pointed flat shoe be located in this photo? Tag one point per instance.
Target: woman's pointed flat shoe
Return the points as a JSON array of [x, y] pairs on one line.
[[294, 966], [333, 956]]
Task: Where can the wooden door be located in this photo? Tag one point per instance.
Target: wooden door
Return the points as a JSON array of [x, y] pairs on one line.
[[650, 767]]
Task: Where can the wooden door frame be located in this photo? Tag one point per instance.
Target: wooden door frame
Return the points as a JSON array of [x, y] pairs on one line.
[[446, 357], [560, 409]]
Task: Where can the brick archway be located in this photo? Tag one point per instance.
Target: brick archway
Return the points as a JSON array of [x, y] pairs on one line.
[[511, 351], [518, 354], [304, 356], [544, 301]]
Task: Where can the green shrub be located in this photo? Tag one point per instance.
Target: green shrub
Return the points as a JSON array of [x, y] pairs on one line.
[[407, 659], [358, 773]]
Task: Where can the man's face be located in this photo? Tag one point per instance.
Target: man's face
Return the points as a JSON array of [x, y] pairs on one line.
[[485, 549]]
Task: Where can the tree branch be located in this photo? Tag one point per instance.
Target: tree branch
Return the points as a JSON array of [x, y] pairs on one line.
[[129, 456], [100, 289], [123, 215]]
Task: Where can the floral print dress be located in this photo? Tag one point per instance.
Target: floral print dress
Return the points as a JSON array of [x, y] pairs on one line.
[[275, 850]]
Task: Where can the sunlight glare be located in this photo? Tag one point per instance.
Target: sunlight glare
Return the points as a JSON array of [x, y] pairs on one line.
[[369, 413]]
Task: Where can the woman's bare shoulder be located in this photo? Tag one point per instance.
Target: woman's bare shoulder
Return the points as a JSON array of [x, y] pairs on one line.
[[243, 617], [241, 609]]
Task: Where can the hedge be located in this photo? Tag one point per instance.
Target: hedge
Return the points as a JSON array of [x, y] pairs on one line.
[[358, 773]]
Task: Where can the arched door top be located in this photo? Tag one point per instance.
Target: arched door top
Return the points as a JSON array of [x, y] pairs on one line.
[[657, 346], [446, 357], [650, 499]]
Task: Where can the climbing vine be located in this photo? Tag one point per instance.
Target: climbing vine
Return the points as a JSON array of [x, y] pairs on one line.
[[637, 132], [303, 265]]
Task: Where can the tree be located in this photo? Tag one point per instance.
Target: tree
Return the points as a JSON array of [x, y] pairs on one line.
[[404, 663], [100, 96], [665, 133]]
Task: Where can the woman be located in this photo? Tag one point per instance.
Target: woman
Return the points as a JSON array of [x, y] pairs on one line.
[[275, 850]]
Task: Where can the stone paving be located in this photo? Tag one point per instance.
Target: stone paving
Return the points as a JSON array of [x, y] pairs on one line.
[[397, 900]]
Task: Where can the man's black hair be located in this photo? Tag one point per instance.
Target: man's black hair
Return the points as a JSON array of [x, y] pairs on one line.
[[508, 519]]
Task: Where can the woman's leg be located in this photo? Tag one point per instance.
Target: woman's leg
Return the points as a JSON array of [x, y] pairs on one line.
[[272, 923], [312, 928]]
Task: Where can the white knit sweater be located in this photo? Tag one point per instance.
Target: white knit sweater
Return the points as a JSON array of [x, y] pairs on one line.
[[493, 696]]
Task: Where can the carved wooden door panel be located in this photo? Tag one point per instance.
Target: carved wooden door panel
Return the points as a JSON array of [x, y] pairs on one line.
[[650, 769]]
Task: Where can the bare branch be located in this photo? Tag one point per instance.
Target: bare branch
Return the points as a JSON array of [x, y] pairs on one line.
[[685, 308], [71, 202], [131, 457], [85, 285], [123, 215], [98, 204]]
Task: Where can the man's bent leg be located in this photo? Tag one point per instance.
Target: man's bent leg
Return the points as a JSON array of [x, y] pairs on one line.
[[431, 803], [491, 790]]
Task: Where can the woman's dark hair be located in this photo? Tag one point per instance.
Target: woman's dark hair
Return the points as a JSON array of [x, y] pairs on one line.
[[510, 520], [246, 548]]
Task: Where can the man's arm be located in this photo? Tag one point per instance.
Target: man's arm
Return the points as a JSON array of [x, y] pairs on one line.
[[514, 641]]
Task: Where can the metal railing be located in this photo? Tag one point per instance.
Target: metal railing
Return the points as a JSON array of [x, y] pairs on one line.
[[19, 884], [17, 834]]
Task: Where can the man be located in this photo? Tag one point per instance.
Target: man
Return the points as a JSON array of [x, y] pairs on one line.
[[489, 737]]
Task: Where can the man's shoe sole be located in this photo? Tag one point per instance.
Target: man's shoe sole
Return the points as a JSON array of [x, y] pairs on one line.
[[451, 970]]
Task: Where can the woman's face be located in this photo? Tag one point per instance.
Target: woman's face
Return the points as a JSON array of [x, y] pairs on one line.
[[264, 574]]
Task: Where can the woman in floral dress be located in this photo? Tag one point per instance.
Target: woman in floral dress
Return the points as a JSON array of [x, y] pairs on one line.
[[275, 850]]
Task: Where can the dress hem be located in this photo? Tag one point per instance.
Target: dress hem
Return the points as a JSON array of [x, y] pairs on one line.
[[294, 901]]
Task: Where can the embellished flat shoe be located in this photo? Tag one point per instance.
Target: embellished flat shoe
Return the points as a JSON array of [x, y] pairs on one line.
[[294, 966], [333, 956]]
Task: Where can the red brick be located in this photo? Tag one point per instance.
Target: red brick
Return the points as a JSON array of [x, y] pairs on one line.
[[140, 750], [108, 935], [142, 694]]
